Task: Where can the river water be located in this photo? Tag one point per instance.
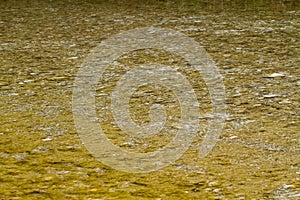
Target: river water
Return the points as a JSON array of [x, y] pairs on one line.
[[255, 45]]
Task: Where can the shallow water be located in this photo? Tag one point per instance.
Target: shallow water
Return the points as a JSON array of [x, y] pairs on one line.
[[256, 48]]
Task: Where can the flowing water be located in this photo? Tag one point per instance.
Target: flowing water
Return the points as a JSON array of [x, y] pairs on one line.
[[255, 46]]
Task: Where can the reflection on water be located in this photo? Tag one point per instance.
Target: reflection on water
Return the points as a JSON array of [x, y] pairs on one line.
[[256, 47]]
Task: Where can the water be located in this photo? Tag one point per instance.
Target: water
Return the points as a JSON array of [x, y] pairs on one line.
[[256, 48]]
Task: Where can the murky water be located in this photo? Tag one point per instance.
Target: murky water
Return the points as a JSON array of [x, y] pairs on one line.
[[256, 48]]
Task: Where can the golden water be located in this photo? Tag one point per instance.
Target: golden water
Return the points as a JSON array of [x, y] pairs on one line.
[[43, 43]]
